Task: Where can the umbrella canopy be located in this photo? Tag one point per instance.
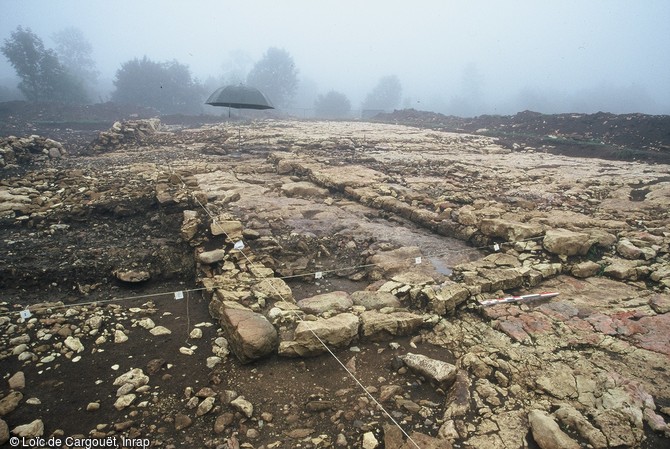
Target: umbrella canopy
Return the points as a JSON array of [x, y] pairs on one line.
[[239, 97]]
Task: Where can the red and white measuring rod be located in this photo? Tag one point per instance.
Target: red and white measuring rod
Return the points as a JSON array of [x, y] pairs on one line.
[[531, 296]]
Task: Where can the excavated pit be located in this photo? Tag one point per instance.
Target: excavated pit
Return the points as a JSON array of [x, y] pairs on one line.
[[436, 220]]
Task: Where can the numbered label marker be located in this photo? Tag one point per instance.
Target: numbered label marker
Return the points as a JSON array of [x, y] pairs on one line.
[[318, 275], [417, 260], [496, 247], [25, 314], [179, 295], [239, 245]]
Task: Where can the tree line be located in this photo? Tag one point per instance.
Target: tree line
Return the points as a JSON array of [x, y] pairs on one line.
[[68, 74]]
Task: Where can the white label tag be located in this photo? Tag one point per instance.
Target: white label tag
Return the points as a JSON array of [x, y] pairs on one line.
[[496, 247], [417, 260], [318, 275], [239, 245], [179, 295], [25, 314]]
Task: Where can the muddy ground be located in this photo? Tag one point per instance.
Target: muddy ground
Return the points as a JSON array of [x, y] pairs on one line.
[[103, 208]]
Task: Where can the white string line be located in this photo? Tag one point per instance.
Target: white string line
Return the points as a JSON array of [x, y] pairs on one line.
[[278, 293]]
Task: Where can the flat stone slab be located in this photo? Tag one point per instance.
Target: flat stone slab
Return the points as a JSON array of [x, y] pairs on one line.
[[437, 371], [334, 301]]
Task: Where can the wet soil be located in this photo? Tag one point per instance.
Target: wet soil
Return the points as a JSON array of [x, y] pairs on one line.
[[602, 135]]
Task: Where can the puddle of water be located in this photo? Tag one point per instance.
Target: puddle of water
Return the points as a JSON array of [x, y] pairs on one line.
[[440, 266]]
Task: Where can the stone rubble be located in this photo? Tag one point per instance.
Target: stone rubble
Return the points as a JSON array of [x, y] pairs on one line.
[[587, 367]]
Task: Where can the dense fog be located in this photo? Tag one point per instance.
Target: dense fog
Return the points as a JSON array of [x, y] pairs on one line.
[[454, 57]]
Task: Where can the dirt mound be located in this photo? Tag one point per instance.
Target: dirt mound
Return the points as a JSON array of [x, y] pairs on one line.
[[603, 135]]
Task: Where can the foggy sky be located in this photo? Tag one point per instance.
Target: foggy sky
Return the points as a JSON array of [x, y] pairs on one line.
[[480, 56]]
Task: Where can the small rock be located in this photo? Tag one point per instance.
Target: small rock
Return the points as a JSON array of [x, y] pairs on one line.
[[119, 336], [181, 421], [31, 430], [134, 377], [195, 333], [223, 421], [4, 431], [369, 441], [341, 440], [10, 402], [17, 381], [186, 351], [146, 323], [205, 406], [213, 361], [124, 401], [132, 276], [243, 406], [155, 365], [299, 433], [160, 330], [74, 344], [92, 406]]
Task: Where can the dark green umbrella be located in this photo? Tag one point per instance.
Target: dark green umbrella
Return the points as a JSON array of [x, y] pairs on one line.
[[239, 97]]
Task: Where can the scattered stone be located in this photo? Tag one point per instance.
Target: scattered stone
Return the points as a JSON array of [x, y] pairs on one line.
[[182, 421], [132, 276], [134, 377], [92, 406], [160, 330], [31, 430], [369, 441], [146, 323], [10, 402], [205, 406], [155, 365], [4, 431], [437, 371], [17, 381], [124, 401], [213, 361], [120, 336], [299, 433], [74, 344], [243, 406], [222, 421]]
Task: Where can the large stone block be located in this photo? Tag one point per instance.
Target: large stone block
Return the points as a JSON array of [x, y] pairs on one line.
[[336, 332], [250, 334], [384, 326], [334, 301], [509, 230], [567, 243]]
